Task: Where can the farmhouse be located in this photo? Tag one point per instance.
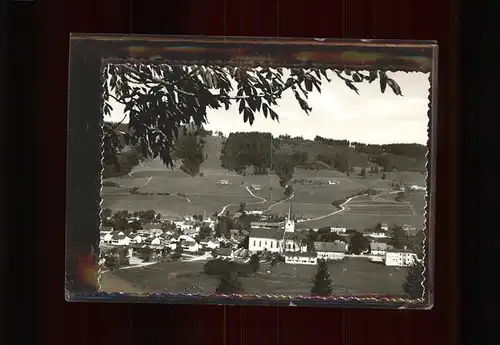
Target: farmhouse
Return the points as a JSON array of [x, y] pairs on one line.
[[152, 241], [301, 258], [379, 248], [120, 240], [209, 243], [330, 250], [338, 230], [106, 229], [190, 246], [135, 239], [376, 235], [400, 257], [384, 227]]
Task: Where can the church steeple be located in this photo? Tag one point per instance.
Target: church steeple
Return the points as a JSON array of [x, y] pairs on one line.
[[290, 224]]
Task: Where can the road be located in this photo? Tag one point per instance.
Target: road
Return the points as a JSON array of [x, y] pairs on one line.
[[342, 209], [262, 201]]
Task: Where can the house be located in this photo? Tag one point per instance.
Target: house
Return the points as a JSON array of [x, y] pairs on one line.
[[379, 248], [265, 239], [400, 257], [255, 187], [384, 227], [255, 212], [135, 239], [120, 240], [234, 232], [333, 182], [106, 238], [291, 244], [410, 230], [330, 250], [376, 234], [296, 258], [338, 230], [143, 232], [185, 238], [190, 232], [224, 253], [209, 243], [152, 241], [190, 246], [106, 229], [223, 182], [186, 225]]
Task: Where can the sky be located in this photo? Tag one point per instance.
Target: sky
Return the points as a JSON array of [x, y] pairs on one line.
[[339, 113]]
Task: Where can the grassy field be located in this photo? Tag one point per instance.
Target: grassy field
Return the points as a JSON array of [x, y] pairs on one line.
[[389, 210], [349, 277], [312, 195]]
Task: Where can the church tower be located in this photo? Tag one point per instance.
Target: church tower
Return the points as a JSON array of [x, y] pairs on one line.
[[290, 224]]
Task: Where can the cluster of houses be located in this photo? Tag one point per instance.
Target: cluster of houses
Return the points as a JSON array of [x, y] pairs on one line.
[[264, 236], [271, 237]]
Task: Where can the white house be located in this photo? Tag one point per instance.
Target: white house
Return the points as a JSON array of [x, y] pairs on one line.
[[376, 234], [106, 238], [136, 239], [186, 225], [333, 182], [338, 230], [401, 258], [120, 240], [209, 243], [379, 248], [106, 229], [384, 227], [330, 250], [265, 239], [190, 246], [185, 238], [152, 241], [298, 258]]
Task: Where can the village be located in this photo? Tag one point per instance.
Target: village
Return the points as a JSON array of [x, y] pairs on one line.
[[146, 240]]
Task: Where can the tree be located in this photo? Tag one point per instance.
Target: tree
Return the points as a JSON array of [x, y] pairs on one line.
[[230, 283], [158, 99], [255, 262], [106, 213], [412, 285], [205, 231], [363, 172], [358, 243], [243, 207], [288, 191], [384, 176], [322, 284], [398, 238]]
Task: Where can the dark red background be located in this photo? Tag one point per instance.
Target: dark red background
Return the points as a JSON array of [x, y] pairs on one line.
[[140, 324]]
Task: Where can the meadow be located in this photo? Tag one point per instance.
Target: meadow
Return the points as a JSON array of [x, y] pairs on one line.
[[349, 277]]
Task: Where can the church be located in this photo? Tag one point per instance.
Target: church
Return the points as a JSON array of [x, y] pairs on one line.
[[280, 240]]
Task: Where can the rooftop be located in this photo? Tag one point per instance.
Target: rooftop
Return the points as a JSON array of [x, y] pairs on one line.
[[337, 246], [301, 254], [276, 234]]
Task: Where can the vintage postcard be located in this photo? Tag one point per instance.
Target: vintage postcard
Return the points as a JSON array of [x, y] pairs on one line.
[[240, 171]]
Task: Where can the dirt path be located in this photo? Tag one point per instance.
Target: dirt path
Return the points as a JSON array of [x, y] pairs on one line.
[[262, 201]]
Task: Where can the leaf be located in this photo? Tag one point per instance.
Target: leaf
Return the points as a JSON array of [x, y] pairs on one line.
[[383, 81], [309, 85], [273, 114], [265, 109], [357, 78], [249, 115], [242, 106], [352, 86], [373, 76], [395, 87]]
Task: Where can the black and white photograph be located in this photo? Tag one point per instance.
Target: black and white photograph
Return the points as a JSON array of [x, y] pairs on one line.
[[263, 181]]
